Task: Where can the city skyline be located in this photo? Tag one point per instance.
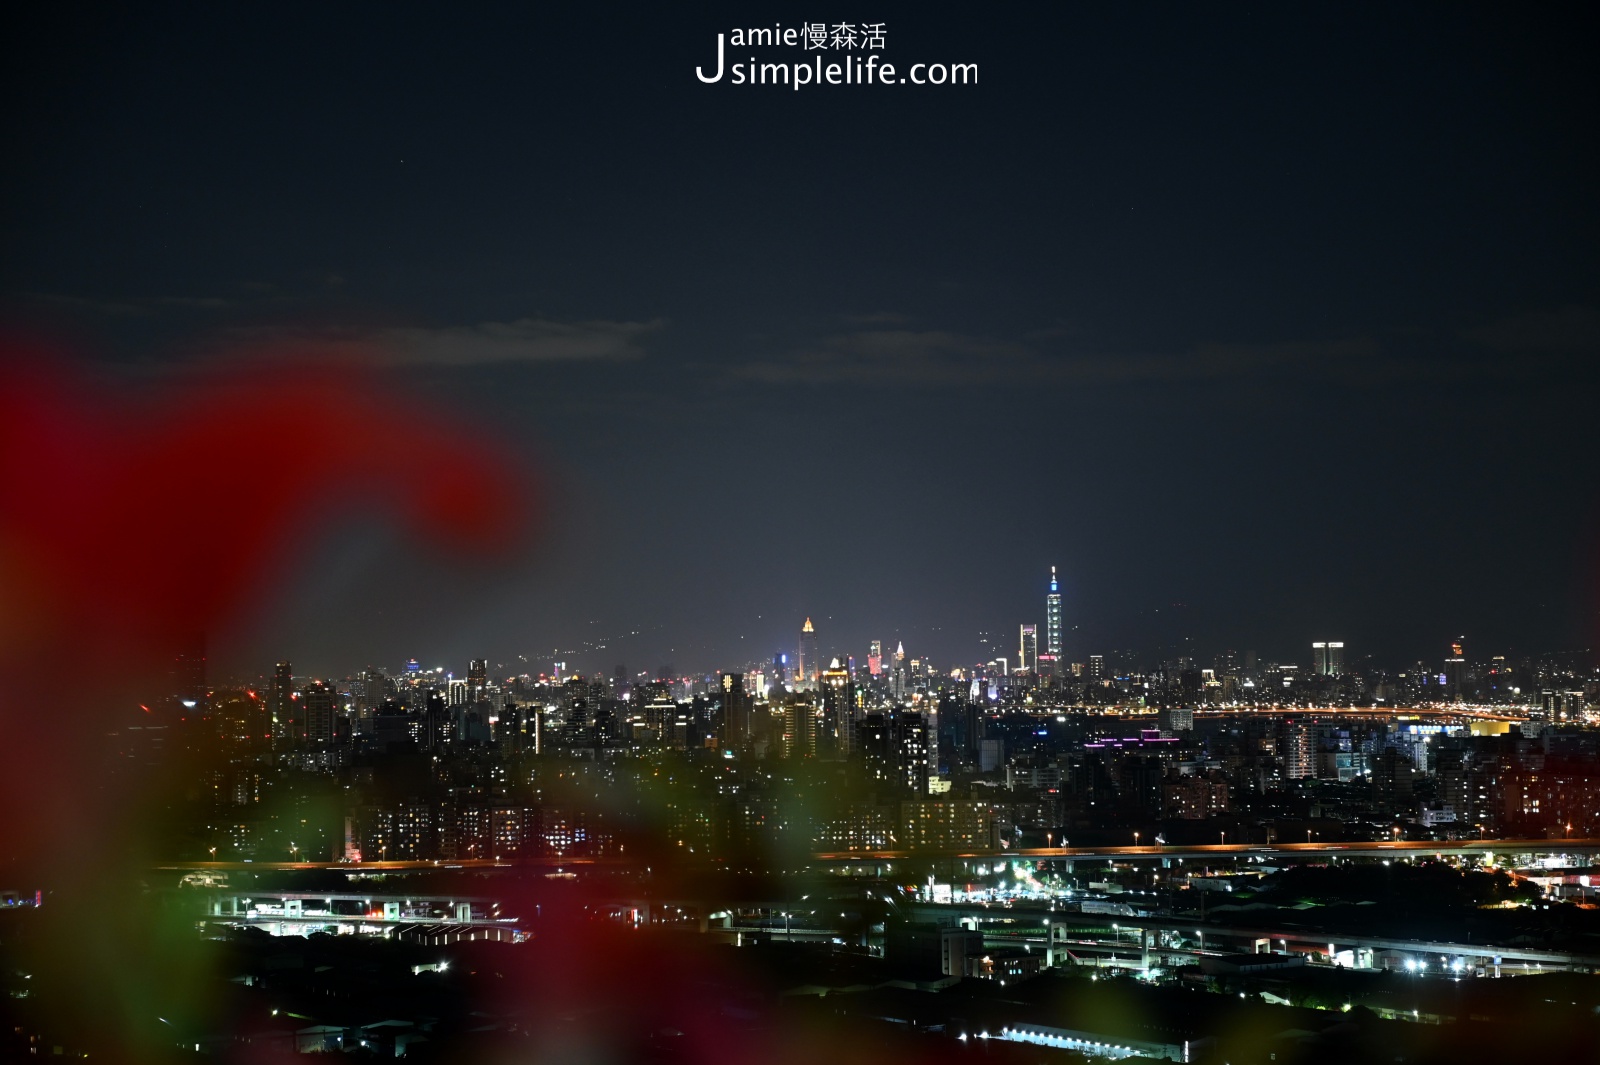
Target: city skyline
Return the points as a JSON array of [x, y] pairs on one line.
[[1108, 490], [1317, 656], [1242, 341]]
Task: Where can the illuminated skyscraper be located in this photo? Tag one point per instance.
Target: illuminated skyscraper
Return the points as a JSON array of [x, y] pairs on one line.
[[808, 667], [800, 723], [1328, 658], [1028, 649], [1455, 670], [281, 703], [875, 658], [1297, 751], [319, 711], [838, 711], [873, 746], [1048, 661], [1053, 619], [913, 745]]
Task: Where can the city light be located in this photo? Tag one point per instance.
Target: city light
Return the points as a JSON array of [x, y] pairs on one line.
[[895, 546]]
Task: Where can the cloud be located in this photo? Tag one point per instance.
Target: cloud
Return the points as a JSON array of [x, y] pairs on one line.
[[1564, 330], [927, 357], [523, 340], [530, 339], [934, 358]]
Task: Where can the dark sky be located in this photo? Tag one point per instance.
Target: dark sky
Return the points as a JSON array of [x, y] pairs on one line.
[[1264, 325]]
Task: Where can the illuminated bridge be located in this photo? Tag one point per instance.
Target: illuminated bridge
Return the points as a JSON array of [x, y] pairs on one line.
[[1513, 852], [1173, 940], [431, 919], [1507, 849]]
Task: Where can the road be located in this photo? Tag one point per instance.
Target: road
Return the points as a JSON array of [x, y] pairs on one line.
[[1380, 848]]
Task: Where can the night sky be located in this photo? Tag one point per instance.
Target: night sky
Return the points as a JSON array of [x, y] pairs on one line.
[[1263, 325]]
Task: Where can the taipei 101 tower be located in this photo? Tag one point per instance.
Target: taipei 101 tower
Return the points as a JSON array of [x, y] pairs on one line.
[[1050, 660]]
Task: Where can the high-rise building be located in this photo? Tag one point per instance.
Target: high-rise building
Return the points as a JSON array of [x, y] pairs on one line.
[[1173, 720], [372, 691], [281, 703], [838, 710], [1053, 619], [1028, 649], [1455, 670], [1297, 751], [807, 667], [1561, 706], [974, 723], [875, 658], [799, 738], [1097, 666], [660, 714], [437, 725], [318, 702], [736, 709], [913, 746], [1328, 658], [477, 677], [873, 745]]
